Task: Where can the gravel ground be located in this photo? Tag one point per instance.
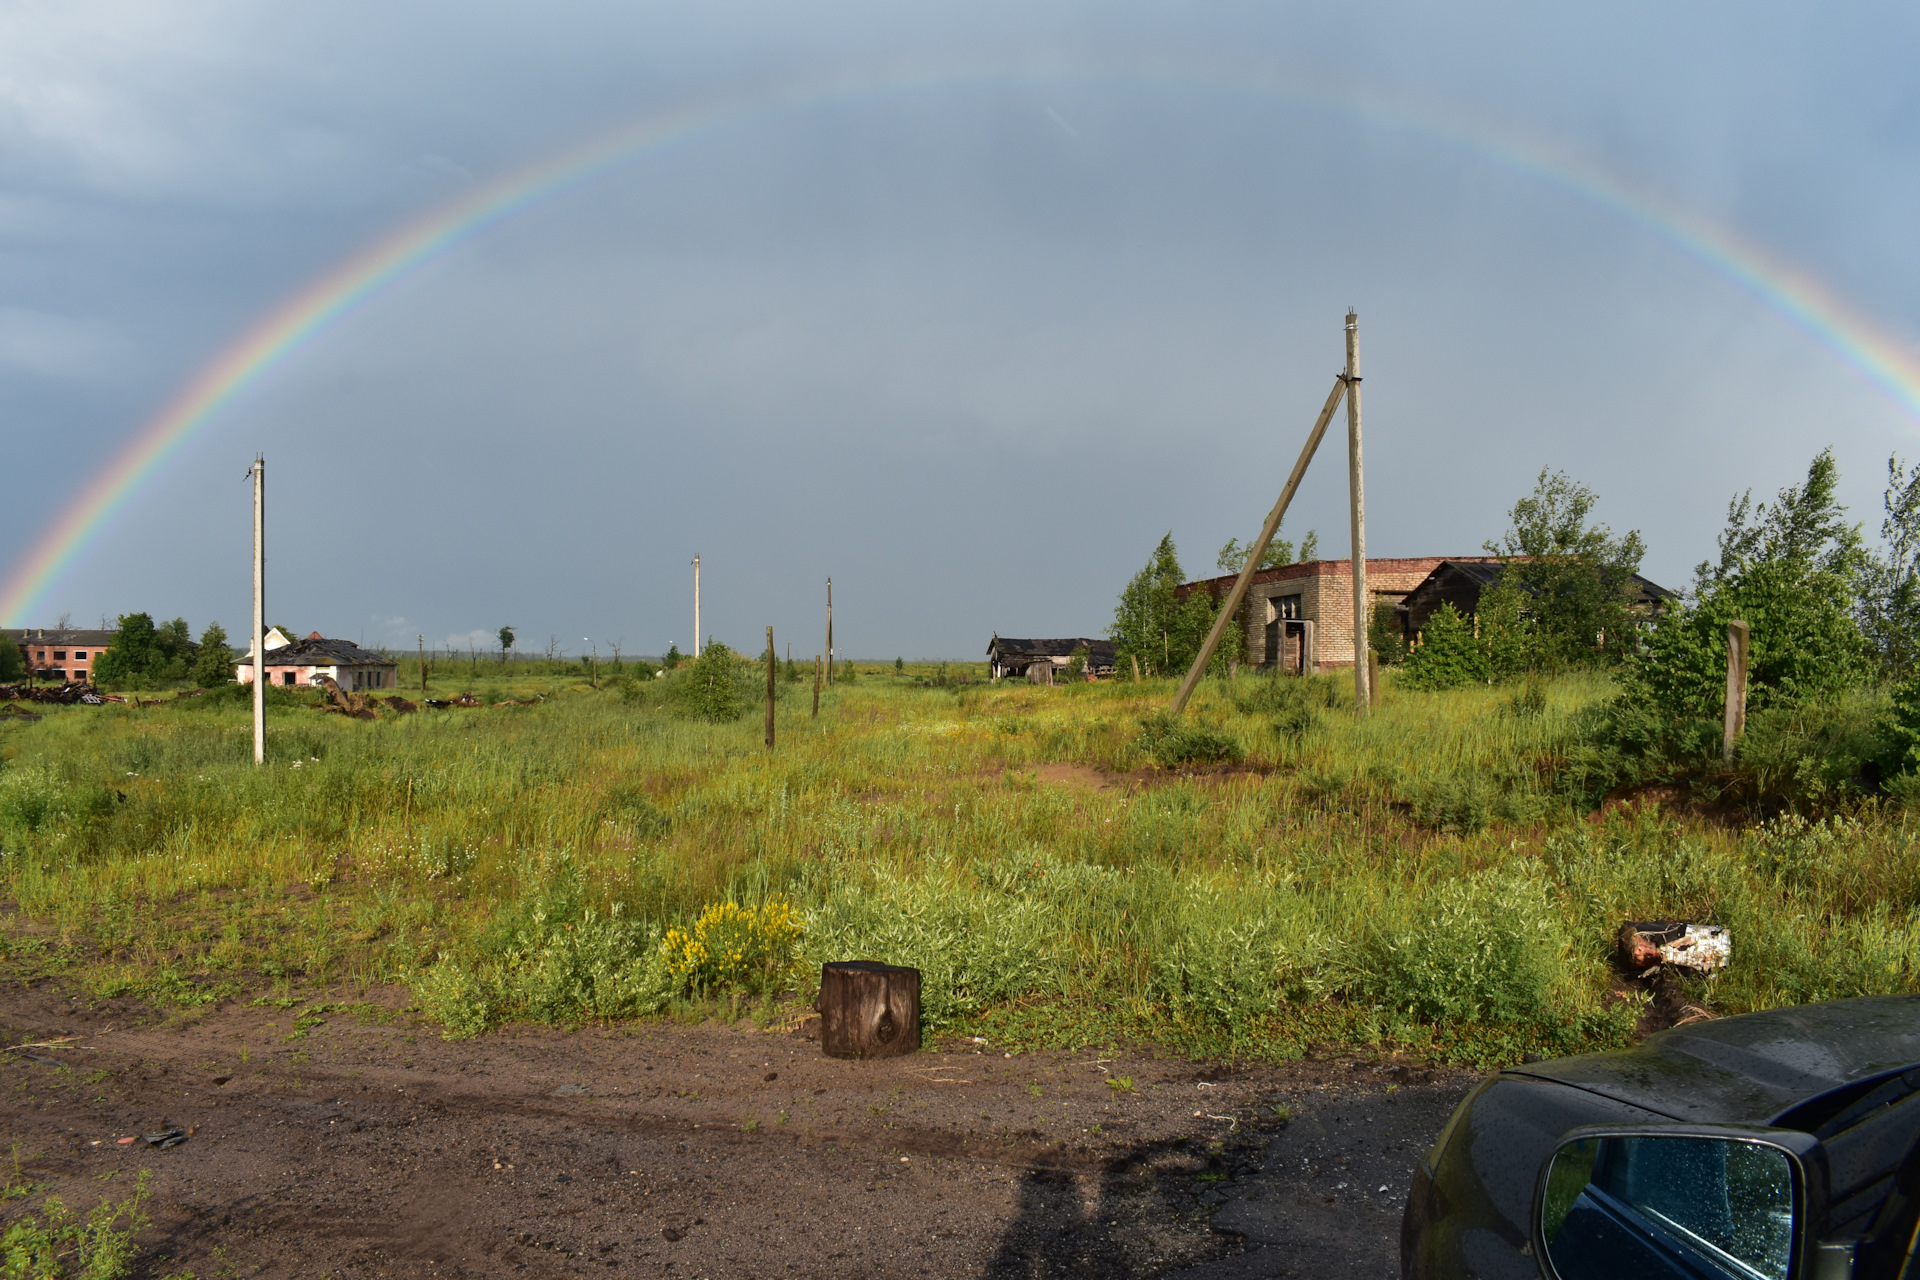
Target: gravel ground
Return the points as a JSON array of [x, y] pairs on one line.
[[365, 1145]]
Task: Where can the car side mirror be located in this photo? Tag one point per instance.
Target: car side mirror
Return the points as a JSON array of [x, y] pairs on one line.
[[1681, 1201]]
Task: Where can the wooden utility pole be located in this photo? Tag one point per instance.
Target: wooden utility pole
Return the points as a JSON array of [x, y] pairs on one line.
[[1357, 495], [1259, 548], [422, 640], [593, 671], [259, 608], [816, 686], [829, 653], [1739, 639], [773, 667], [696, 606]]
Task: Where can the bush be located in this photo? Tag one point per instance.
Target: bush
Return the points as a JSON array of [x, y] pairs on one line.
[[731, 947], [716, 687], [1487, 949], [1172, 741], [1294, 702], [550, 958], [1449, 656], [57, 1243], [1385, 637]]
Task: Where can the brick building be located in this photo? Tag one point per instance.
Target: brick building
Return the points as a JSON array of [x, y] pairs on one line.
[[60, 655], [1300, 616]]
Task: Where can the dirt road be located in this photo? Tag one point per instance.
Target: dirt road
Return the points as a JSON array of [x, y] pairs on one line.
[[364, 1145]]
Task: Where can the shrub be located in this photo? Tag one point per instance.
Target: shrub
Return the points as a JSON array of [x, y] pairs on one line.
[[1384, 635], [57, 1243], [1171, 741], [734, 947], [1486, 949], [1448, 656], [716, 687]]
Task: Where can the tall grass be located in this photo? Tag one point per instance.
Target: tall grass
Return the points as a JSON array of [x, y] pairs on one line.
[[1414, 880]]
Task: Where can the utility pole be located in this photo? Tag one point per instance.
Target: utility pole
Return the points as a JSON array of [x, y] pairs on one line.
[[1357, 493], [696, 606], [816, 687], [773, 667], [593, 672], [829, 653], [1231, 605], [259, 474]]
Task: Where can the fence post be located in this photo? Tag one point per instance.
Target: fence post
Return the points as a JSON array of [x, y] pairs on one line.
[[1739, 636]]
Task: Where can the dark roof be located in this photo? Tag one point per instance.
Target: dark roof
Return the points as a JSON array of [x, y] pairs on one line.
[[51, 635], [1008, 647], [1484, 573], [321, 653]]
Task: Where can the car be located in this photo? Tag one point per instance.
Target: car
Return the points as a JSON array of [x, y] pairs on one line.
[[1782, 1145]]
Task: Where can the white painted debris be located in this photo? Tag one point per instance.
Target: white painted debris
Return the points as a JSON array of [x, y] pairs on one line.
[[1703, 948]]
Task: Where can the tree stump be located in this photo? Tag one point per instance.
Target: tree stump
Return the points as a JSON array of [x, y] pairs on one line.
[[868, 1009]]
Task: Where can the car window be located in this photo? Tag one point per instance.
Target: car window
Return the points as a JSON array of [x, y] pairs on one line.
[[1729, 1204]]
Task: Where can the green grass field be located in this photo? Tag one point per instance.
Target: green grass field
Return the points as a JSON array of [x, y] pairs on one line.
[[1416, 881]]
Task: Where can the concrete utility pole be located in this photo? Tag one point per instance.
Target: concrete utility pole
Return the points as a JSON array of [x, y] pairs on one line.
[[829, 653], [259, 474], [696, 606], [1357, 492], [1739, 640]]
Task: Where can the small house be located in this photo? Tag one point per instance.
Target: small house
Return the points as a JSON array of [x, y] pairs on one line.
[[1461, 583], [305, 662], [1041, 660]]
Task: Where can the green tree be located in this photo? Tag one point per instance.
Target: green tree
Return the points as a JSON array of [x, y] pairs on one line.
[[135, 651], [1152, 623], [1889, 596], [1233, 556], [506, 642], [1791, 570], [717, 686], [673, 658], [899, 666], [13, 662], [176, 651], [214, 664], [1573, 578]]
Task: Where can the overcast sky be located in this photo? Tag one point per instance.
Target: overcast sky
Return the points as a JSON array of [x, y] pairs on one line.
[[968, 336]]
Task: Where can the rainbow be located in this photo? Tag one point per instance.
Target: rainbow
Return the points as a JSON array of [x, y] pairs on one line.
[[1795, 294]]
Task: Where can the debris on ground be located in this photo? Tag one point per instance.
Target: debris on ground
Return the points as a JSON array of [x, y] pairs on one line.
[[164, 1139], [400, 704], [357, 705], [1703, 948], [64, 695]]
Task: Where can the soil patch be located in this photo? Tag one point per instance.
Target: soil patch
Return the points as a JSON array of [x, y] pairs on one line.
[[358, 1142]]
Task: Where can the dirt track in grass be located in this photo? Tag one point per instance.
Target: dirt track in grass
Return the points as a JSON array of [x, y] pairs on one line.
[[371, 1147]]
